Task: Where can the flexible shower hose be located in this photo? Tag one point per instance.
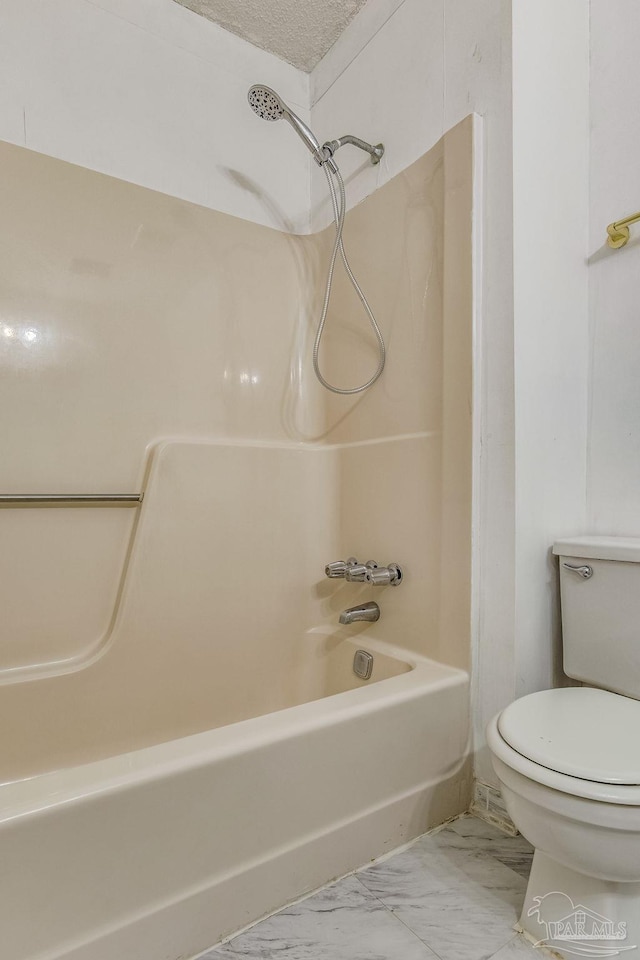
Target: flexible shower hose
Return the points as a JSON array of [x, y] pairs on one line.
[[339, 210]]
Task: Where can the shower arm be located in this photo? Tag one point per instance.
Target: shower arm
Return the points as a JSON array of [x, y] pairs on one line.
[[376, 151]]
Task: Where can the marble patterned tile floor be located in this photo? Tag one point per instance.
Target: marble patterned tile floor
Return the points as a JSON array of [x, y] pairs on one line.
[[454, 894]]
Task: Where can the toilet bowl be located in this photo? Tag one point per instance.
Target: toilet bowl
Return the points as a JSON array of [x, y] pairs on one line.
[[568, 763], [586, 833], [582, 823]]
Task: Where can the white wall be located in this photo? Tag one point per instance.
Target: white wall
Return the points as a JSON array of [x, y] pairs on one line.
[[614, 429], [149, 92], [550, 229]]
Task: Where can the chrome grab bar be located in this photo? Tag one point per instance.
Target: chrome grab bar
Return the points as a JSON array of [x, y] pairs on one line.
[[126, 499]]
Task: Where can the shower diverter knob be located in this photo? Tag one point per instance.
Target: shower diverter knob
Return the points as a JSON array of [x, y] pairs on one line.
[[382, 576]]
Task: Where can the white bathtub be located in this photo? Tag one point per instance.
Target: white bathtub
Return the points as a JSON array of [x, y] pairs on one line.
[[159, 853]]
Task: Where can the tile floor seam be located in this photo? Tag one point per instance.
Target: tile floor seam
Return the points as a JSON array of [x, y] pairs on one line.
[[512, 940], [429, 947], [509, 940], [400, 920], [411, 930]]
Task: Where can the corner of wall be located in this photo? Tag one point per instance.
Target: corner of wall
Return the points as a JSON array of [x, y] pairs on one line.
[[151, 93]]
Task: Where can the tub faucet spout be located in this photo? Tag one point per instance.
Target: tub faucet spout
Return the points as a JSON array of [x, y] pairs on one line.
[[364, 611]]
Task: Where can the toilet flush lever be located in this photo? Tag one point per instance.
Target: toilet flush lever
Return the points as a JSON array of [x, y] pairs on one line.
[[584, 571]]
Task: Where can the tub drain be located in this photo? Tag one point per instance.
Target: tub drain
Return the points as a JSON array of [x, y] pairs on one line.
[[362, 664]]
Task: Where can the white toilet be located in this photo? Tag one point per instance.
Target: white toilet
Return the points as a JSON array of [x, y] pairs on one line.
[[568, 761]]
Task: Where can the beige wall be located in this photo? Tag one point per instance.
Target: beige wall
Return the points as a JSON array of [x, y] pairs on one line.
[[128, 317], [405, 445], [125, 316]]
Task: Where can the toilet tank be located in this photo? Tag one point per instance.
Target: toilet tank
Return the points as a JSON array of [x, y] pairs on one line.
[[600, 597]]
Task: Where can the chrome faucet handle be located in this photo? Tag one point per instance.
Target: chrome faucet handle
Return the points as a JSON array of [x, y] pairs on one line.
[[339, 568], [357, 572], [381, 576], [336, 569]]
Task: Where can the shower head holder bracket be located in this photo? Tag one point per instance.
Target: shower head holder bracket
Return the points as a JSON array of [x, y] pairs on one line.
[[376, 151]]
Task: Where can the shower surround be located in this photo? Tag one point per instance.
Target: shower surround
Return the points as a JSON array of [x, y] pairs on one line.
[[185, 746]]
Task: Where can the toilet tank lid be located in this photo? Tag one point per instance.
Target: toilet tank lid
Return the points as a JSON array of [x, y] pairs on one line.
[[584, 732], [600, 548]]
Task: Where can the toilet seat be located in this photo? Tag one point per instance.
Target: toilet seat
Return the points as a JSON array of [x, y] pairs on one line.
[[581, 732], [606, 793]]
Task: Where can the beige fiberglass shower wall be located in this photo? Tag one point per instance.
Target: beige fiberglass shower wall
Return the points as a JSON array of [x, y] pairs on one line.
[[146, 328], [151, 345], [405, 448]]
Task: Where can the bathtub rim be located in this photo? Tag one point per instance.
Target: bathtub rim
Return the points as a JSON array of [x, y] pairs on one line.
[[43, 792]]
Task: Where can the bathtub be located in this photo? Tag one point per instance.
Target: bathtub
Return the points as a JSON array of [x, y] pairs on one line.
[[159, 853]]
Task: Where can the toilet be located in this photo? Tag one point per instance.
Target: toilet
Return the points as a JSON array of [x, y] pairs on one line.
[[568, 761]]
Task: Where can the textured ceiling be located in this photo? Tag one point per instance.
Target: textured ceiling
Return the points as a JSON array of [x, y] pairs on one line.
[[300, 31]]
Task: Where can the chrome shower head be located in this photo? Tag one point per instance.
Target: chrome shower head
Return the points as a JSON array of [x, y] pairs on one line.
[[267, 105]]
